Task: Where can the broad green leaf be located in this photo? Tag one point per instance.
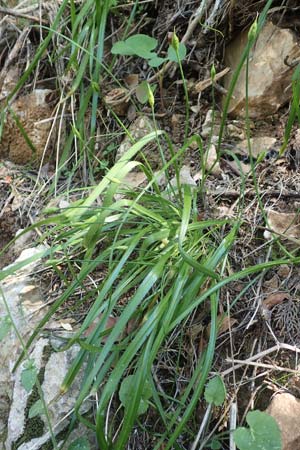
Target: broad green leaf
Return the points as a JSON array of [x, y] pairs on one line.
[[139, 44], [36, 409], [215, 391], [263, 434], [156, 61], [121, 48], [28, 375], [141, 92], [215, 444], [5, 326], [80, 444], [172, 56], [126, 393]]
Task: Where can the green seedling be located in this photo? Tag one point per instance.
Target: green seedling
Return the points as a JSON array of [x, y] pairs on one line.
[[29, 375], [143, 46], [80, 444], [215, 391], [263, 433], [126, 392]]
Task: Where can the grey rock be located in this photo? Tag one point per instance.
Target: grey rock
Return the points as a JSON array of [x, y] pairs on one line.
[[285, 409], [269, 82]]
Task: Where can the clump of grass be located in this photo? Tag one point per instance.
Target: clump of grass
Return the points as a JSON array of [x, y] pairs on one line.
[[155, 252]]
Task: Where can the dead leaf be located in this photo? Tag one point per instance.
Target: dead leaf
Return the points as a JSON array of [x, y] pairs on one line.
[[118, 100], [275, 299], [225, 323], [272, 284], [111, 322], [8, 179], [204, 84], [132, 80], [285, 225]]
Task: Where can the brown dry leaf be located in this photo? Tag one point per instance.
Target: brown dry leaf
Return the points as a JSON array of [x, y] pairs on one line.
[[8, 179], [285, 225], [275, 299], [132, 80], [204, 84], [111, 321], [225, 323], [118, 100], [272, 284]]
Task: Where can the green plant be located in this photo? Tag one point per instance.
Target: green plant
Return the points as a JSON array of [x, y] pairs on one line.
[[143, 46], [263, 433], [125, 393], [160, 262], [215, 391]]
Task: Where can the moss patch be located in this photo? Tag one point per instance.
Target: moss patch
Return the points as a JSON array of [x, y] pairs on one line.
[[34, 427]]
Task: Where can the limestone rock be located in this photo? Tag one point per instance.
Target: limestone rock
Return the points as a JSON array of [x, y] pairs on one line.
[[285, 409], [10, 345], [27, 307], [54, 367], [211, 161], [258, 145], [34, 113], [211, 121], [9, 81], [284, 225], [185, 177], [269, 81]]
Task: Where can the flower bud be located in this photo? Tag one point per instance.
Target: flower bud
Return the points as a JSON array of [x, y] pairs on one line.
[[213, 72], [252, 31], [175, 42], [150, 96]]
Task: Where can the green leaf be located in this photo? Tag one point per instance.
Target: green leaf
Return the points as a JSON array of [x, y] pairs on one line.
[[121, 48], [139, 44], [5, 326], [126, 393], [215, 391], [263, 434], [141, 92], [79, 444], [215, 444], [28, 375], [156, 61], [172, 56], [36, 409]]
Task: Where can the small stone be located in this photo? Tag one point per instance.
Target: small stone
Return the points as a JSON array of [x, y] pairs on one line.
[[257, 144], [211, 161], [285, 409], [34, 113], [23, 241], [184, 177], [30, 293], [283, 271], [208, 123]]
